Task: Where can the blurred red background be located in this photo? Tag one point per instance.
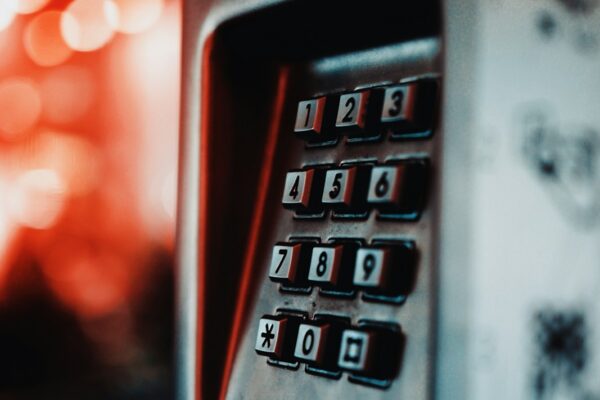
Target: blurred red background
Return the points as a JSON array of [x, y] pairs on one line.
[[89, 101]]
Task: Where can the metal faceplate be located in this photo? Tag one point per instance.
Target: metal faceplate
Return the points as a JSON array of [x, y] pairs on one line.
[[252, 376]]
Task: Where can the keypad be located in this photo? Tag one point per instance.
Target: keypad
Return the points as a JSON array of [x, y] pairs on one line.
[[351, 269]]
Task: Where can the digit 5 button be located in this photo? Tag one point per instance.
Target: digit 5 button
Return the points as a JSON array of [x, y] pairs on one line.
[[344, 188], [385, 269], [399, 188]]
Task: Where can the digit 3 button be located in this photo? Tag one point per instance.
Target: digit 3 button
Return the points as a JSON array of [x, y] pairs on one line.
[[300, 190], [318, 344], [370, 352], [408, 107], [399, 187], [276, 336], [386, 269], [344, 188]]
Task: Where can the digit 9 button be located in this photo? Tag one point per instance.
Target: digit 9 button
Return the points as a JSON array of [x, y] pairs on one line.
[[385, 271]]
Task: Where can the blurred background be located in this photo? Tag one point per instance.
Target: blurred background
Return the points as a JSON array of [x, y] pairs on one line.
[[89, 100]]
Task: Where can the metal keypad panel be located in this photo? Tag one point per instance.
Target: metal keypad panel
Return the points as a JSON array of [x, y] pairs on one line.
[[345, 263]]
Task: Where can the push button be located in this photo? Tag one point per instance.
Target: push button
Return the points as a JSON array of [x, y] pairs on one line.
[[344, 188], [309, 119], [331, 266], [289, 263], [300, 190], [398, 188], [352, 111], [276, 336], [370, 352], [385, 269], [318, 344], [409, 107]]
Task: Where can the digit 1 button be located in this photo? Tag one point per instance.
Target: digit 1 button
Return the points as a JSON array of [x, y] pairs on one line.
[[299, 190], [385, 269], [409, 107], [309, 118], [289, 263], [352, 111], [276, 336], [370, 352], [344, 188], [399, 188]]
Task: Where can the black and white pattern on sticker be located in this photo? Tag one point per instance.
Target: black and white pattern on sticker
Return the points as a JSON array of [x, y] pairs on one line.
[[562, 346], [566, 160], [570, 21]]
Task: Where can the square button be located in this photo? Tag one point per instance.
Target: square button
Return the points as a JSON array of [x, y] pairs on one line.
[[297, 189], [309, 118], [372, 269], [325, 265], [311, 342], [270, 337], [355, 351], [285, 262], [352, 110], [339, 187], [399, 103], [399, 187]]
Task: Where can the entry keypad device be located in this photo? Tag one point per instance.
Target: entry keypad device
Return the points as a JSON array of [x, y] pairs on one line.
[[373, 269]]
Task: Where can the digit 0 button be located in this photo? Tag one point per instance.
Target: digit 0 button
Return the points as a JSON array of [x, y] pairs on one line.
[[370, 352], [344, 188], [309, 119], [318, 344], [399, 188], [289, 263], [276, 336], [299, 192], [385, 269], [409, 108]]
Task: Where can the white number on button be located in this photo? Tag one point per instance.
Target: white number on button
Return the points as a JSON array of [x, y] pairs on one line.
[[350, 110], [369, 268], [325, 264]]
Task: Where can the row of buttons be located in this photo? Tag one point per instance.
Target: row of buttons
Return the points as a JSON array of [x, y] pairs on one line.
[[385, 269], [397, 187], [330, 345], [404, 108]]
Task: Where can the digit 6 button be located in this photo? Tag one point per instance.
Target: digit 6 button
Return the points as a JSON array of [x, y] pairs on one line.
[[398, 189]]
